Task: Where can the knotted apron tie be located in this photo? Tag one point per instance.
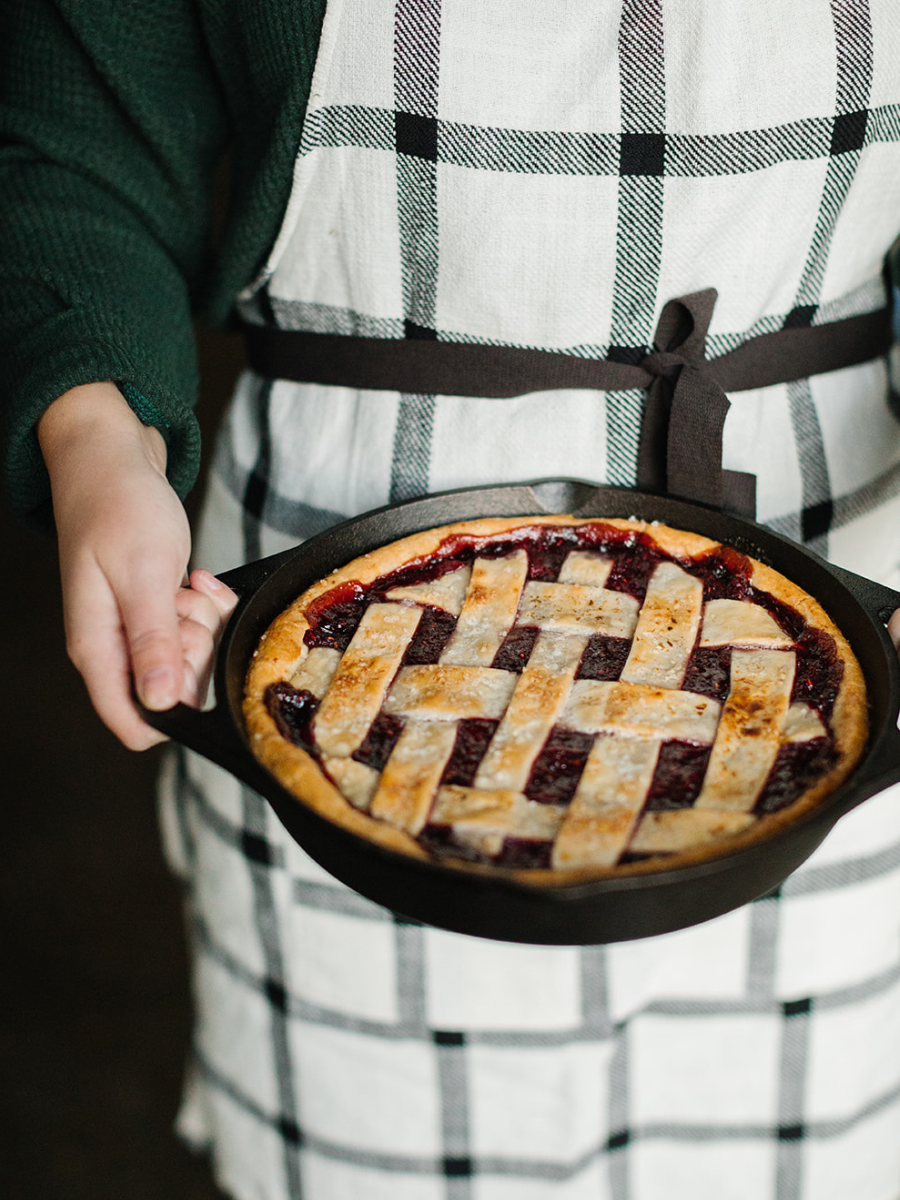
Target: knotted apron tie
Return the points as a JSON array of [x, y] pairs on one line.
[[680, 450]]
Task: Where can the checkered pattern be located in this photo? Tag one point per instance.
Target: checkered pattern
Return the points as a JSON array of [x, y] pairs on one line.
[[565, 220], [550, 175]]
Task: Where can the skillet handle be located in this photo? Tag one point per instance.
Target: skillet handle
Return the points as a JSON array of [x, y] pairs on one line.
[[876, 598], [249, 578], [203, 731], [879, 771], [882, 767], [209, 733]]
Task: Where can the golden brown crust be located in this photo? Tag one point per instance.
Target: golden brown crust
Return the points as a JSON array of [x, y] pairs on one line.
[[282, 650]]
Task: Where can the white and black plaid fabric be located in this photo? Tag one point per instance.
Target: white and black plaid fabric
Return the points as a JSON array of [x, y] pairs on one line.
[[542, 175]]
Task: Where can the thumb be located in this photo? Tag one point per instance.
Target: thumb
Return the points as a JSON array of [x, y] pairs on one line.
[[150, 622]]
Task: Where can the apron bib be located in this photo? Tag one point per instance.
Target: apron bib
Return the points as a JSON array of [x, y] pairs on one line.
[[548, 177]]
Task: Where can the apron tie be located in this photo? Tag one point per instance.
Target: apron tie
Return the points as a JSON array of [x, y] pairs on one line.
[[680, 446], [680, 449]]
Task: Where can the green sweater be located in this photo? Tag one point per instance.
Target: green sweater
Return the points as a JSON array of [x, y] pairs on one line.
[[113, 117]]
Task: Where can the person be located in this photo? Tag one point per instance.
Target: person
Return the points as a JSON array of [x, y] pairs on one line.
[[502, 174]]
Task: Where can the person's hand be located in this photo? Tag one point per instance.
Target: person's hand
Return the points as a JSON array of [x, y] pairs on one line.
[[124, 544]]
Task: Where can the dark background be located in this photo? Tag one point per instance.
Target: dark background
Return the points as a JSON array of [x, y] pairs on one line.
[[94, 1000]]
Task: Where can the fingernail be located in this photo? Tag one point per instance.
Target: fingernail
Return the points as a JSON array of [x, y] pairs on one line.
[[211, 581], [157, 688]]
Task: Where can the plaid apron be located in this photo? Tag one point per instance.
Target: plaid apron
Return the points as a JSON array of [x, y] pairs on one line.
[[548, 176]]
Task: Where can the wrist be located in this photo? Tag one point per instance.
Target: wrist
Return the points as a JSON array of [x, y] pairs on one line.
[[93, 419]]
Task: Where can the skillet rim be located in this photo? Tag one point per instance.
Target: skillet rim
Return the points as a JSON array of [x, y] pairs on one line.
[[268, 585]]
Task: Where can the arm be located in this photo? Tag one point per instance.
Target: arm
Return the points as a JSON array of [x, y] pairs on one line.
[[110, 126]]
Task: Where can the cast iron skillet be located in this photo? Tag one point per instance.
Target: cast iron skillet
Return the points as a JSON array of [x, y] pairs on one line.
[[484, 902]]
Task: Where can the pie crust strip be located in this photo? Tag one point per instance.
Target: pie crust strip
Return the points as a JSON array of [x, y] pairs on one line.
[[607, 802], [411, 776], [666, 628], [361, 681], [684, 828], [741, 623], [489, 610], [484, 817], [802, 724], [640, 710], [750, 730], [539, 697], [576, 608], [580, 566], [447, 592], [450, 693], [316, 671], [356, 781]]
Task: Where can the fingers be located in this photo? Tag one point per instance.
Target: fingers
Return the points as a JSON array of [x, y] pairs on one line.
[[197, 649], [161, 637], [219, 593], [98, 647], [203, 610], [172, 644]]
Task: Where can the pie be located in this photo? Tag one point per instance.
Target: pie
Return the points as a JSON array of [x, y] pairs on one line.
[[557, 697]]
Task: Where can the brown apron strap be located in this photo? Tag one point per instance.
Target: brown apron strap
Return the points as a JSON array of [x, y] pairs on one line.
[[681, 434], [428, 367]]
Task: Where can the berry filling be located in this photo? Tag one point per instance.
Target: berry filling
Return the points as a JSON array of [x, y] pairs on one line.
[[472, 740]]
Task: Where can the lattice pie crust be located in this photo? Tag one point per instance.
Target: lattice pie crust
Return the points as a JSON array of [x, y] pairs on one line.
[[588, 697]]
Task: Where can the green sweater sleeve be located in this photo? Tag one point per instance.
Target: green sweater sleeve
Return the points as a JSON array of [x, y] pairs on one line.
[[111, 123]]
